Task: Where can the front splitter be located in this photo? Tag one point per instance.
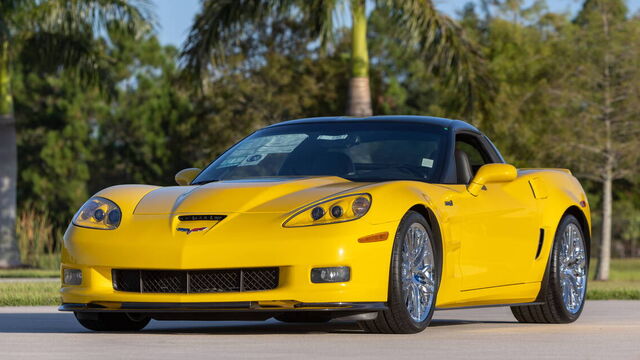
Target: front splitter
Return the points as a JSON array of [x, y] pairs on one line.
[[209, 307]]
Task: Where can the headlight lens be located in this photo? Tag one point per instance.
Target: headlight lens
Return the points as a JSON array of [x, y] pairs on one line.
[[98, 213], [335, 210]]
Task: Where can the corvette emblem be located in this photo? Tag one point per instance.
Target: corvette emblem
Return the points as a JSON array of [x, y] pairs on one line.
[[189, 231]]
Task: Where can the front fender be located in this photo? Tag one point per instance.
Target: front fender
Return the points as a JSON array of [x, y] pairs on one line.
[[126, 197]]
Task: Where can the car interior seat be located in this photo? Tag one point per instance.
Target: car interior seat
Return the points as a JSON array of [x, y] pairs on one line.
[[335, 163], [463, 167]]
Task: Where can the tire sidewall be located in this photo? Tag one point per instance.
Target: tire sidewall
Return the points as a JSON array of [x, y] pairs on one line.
[[396, 301], [555, 268]]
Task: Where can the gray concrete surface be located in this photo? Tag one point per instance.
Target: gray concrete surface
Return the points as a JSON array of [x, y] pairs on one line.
[[606, 330]]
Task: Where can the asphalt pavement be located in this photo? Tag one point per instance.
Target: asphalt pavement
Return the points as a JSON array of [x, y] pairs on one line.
[[606, 330]]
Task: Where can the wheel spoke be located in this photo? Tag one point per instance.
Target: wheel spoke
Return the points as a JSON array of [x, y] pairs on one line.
[[407, 296], [565, 292], [416, 300], [418, 284], [426, 293]]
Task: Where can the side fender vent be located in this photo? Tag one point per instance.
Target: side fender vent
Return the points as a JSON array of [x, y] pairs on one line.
[[540, 243]]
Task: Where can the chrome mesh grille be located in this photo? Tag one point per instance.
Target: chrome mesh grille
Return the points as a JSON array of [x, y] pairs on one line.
[[195, 281]]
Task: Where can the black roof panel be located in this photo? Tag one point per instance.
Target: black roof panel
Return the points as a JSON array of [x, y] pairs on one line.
[[453, 124]]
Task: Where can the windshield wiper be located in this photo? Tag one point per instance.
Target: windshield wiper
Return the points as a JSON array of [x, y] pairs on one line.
[[204, 182]]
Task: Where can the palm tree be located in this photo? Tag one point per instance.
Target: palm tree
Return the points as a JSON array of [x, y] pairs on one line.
[[441, 41], [51, 36]]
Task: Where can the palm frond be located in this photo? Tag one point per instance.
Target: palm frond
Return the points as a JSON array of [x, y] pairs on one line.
[[8, 10], [319, 17], [223, 22], [71, 16], [78, 55], [66, 34], [448, 51]]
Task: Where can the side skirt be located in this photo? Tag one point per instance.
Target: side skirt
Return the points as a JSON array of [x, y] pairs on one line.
[[491, 306]]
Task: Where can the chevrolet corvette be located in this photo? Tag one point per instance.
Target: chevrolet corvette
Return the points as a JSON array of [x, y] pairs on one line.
[[380, 220]]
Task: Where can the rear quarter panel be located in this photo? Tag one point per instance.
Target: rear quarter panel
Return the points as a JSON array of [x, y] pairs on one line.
[[558, 192]]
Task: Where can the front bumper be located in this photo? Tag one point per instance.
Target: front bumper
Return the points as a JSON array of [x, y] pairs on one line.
[[240, 241]]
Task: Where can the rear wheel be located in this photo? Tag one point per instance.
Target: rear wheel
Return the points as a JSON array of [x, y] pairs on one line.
[[563, 291], [111, 321], [413, 280]]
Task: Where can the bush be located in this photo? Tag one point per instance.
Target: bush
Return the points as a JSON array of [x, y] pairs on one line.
[[38, 242]]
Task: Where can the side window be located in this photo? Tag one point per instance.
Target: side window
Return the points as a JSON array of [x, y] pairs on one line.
[[475, 152]]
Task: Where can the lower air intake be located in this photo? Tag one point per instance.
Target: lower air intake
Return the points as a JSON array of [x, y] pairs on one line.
[[195, 281]]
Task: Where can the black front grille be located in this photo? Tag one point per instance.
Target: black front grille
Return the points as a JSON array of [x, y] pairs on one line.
[[195, 281]]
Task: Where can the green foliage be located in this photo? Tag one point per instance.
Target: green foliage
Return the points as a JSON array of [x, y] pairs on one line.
[[53, 144], [598, 101]]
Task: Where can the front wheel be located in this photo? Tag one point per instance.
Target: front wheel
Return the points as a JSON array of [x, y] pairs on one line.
[[564, 288], [414, 278], [111, 321]]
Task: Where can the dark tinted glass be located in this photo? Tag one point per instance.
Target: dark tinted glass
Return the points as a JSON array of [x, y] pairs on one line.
[[358, 151]]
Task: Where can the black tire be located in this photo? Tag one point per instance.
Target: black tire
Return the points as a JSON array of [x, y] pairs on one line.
[[553, 309], [303, 317], [111, 321], [397, 319]]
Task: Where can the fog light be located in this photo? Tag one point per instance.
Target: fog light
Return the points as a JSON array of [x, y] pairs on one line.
[[72, 277], [330, 274]]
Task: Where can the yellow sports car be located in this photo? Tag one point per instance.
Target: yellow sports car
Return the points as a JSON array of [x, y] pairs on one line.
[[380, 220]]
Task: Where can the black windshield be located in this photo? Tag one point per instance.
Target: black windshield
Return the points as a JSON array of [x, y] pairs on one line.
[[357, 151]]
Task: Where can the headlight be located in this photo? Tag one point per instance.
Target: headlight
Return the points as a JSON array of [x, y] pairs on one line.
[[98, 213], [335, 210]]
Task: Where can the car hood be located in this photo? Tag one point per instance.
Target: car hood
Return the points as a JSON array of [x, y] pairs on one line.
[[275, 195]]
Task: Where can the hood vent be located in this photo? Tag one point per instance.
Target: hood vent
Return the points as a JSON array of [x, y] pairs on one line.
[[201, 217]]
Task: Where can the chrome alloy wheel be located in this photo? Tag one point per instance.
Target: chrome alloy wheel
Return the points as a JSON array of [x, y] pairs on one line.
[[573, 268], [418, 282]]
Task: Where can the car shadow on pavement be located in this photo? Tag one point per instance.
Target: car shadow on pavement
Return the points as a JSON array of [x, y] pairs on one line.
[[450, 322], [37, 323], [66, 323]]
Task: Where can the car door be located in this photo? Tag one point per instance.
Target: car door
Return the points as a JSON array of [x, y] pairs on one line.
[[498, 229]]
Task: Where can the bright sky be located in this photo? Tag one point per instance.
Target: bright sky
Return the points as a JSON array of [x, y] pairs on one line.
[[175, 16]]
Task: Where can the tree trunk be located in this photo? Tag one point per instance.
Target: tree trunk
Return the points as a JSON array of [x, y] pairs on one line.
[[605, 243], [359, 89], [9, 255], [604, 259]]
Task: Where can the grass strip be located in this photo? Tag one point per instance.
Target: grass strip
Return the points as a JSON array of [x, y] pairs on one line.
[[29, 293], [29, 273]]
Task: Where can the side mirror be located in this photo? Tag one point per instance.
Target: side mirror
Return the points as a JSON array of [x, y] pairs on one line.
[[186, 176], [491, 173]]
